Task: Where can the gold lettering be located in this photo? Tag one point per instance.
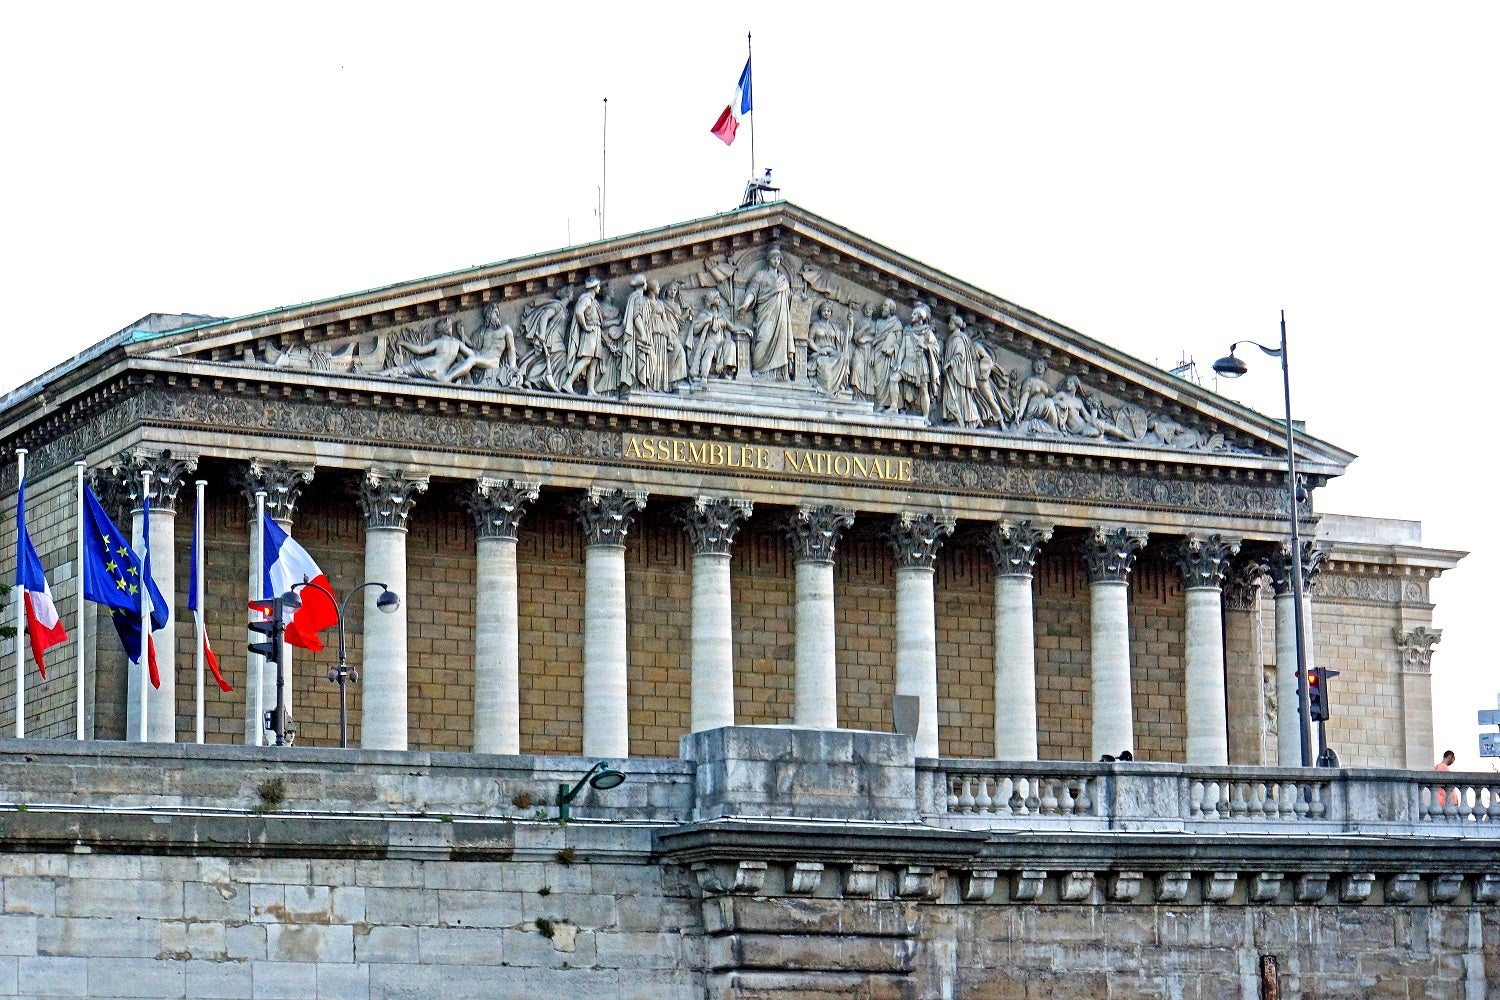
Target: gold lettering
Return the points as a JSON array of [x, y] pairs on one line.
[[859, 466], [903, 470], [762, 458], [791, 459], [677, 451], [697, 451], [633, 448], [745, 452], [841, 465], [663, 450]]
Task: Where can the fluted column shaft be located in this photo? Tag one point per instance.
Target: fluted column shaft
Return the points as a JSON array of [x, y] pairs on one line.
[[1278, 568], [386, 500], [1013, 550], [497, 507], [1110, 555], [168, 472], [814, 533], [712, 523], [607, 516], [915, 541], [1244, 668], [1203, 562], [282, 485]]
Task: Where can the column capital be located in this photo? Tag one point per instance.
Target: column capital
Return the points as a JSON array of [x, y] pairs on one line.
[[712, 522], [1416, 648], [498, 505], [1278, 565], [282, 484], [814, 532], [1013, 546], [168, 473], [607, 514], [1242, 584], [386, 498], [1110, 553], [1204, 559], [916, 539]]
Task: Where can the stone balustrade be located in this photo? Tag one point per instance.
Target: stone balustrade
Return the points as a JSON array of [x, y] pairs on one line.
[[1168, 798]]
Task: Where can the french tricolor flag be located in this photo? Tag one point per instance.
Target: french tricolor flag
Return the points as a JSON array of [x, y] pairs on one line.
[[43, 623], [738, 107], [286, 564]]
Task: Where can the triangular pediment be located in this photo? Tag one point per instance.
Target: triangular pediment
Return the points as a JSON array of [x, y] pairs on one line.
[[768, 313]]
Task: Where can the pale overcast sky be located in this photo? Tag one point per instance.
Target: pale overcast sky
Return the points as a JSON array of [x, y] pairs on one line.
[[1162, 177]]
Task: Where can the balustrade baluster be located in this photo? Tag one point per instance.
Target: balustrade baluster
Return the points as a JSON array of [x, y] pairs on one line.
[[966, 796], [1195, 798], [1049, 797], [982, 802]]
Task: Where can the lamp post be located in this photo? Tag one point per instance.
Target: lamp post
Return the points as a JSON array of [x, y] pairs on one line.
[[600, 776], [1233, 367], [342, 674]]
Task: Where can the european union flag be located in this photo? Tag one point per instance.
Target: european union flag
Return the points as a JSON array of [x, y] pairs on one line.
[[112, 576]]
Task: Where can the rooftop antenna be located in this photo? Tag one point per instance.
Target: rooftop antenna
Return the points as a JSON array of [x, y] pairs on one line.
[[1187, 370]]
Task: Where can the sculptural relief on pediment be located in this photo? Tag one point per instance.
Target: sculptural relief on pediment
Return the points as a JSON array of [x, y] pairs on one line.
[[755, 327]]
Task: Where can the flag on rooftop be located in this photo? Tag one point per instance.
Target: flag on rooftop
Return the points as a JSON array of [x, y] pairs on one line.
[[739, 106]]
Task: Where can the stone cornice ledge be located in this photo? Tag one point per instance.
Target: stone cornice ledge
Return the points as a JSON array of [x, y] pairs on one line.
[[835, 842]]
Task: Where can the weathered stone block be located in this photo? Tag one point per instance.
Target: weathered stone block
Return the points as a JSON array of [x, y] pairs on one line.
[[42, 976], [309, 943]]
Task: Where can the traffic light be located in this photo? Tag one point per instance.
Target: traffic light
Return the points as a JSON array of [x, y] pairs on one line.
[[1317, 696], [272, 628]]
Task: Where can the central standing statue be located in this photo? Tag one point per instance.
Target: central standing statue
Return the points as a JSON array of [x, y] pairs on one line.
[[770, 292]]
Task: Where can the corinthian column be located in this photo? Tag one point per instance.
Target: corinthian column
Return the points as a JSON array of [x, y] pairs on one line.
[[607, 516], [915, 540], [386, 499], [1109, 554], [1013, 550], [814, 534], [712, 523], [168, 472], [1203, 562], [1288, 705], [282, 485], [1244, 668], [498, 506]]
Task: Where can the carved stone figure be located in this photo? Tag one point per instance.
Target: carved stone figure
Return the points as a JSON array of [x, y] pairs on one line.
[[919, 366], [441, 357], [829, 350], [770, 294], [862, 340], [586, 341], [633, 332], [1035, 401], [885, 369], [712, 342], [992, 387], [960, 376], [544, 327], [661, 361]]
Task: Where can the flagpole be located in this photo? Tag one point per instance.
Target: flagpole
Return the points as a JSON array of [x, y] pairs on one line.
[[145, 601], [20, 599], [198, 624], [258, 562], [603, 171], [749, 59], [80, 465]]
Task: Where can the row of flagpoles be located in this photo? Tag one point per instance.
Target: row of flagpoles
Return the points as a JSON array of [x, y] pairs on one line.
[[111, 573]]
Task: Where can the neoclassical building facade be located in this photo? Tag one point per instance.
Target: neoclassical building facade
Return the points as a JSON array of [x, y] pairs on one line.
[[753, 469]]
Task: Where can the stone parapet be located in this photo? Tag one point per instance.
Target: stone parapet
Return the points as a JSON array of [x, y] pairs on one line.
[[759, 771]]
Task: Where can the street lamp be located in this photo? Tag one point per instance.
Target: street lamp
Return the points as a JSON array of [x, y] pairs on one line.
[[600, 776], [342, 674], [1233, 367]]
